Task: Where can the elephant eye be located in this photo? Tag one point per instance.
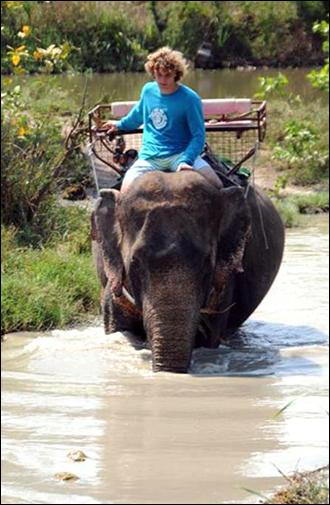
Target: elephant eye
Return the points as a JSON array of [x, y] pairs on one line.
[[135, 264], [136, 220]]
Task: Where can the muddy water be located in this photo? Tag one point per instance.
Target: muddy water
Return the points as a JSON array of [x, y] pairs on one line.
[[162, 438], [105, 88]]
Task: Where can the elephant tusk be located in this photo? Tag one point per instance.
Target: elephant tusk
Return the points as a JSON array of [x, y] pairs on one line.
[[206, 310], [209, 311], [128, 296]]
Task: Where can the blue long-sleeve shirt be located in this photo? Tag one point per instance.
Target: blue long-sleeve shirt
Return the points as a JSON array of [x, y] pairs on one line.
[[173, 123]]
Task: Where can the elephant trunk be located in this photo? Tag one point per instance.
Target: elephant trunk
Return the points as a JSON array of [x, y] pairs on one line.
[[171, 329]]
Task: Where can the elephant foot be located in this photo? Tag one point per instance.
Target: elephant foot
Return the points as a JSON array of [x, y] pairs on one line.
[[136, 329], [107, 331], [112, 327]]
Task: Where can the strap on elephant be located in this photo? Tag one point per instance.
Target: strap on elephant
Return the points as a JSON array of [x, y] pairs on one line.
[[231, 174]]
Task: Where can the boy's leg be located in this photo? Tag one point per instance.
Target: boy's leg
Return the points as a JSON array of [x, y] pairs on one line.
[[204, 169], [138, 168], [211, 176]]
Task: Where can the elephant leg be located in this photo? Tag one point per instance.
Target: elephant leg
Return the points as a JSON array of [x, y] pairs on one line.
[[213, 328], [119, 314], [106, 309]]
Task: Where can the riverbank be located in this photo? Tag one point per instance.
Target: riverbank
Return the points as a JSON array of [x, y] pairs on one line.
[[291, 200], [304, 487]]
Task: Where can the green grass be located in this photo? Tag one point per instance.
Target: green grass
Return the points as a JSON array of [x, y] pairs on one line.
[[291, 207], [312, 203], [288, 212], [45, 288]]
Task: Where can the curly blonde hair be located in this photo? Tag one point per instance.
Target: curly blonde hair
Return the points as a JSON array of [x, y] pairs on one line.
[[166, 60]]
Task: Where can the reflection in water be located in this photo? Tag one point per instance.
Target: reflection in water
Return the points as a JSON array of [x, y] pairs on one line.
[[226, 83], [166, 438]]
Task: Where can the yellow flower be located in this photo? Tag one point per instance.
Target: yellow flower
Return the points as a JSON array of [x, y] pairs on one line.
[[22, 131], [26, 30], [13, 5], [37, 55], [15, 59]]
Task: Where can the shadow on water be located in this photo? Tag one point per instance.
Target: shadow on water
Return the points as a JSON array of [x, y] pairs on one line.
[[261, 349], [257, 349]]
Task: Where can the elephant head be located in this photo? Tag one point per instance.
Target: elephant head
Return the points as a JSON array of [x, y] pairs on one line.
[[173, 242]]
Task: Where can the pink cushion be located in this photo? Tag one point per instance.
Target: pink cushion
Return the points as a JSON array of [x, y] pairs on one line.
[[120, 109], [240, 124], [220, 106], [211, 107]]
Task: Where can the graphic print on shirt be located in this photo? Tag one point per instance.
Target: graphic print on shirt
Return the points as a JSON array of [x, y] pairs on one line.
[[159, 118]]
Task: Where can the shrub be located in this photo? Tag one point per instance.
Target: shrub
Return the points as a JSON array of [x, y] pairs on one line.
[[300, 151], [34, 159], [298, 132], [191, 23], [313, 203], [320, 78], [112, 36], [272, 86], [22, 50], [94, 38], [30, 147]]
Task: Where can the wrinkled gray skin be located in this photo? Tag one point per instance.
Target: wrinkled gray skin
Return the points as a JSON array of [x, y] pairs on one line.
[[196, 259]]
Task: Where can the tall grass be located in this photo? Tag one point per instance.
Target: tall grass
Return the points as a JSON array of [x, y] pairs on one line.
[[45, 288], [290, 207]]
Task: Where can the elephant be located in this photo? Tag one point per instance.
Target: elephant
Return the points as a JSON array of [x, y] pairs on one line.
[[182, 263]]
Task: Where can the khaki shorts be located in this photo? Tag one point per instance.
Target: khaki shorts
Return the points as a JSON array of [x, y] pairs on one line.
[[170, 163]]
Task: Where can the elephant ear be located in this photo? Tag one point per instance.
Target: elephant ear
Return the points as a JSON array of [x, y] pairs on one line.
[[108, 234], [93, 227], [234, 229]]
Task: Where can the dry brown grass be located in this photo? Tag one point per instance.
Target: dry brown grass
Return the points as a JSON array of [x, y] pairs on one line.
[[307, 487]]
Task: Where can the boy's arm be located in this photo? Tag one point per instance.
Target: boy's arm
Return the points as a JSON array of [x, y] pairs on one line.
[[131, 121], [134, 118], [195, 119]]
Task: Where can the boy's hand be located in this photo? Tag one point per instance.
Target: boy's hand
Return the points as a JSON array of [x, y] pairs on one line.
[[110, 127], [184, 166]]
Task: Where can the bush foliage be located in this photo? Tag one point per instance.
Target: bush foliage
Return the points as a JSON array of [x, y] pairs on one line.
[[298, 133], [109, 36]]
